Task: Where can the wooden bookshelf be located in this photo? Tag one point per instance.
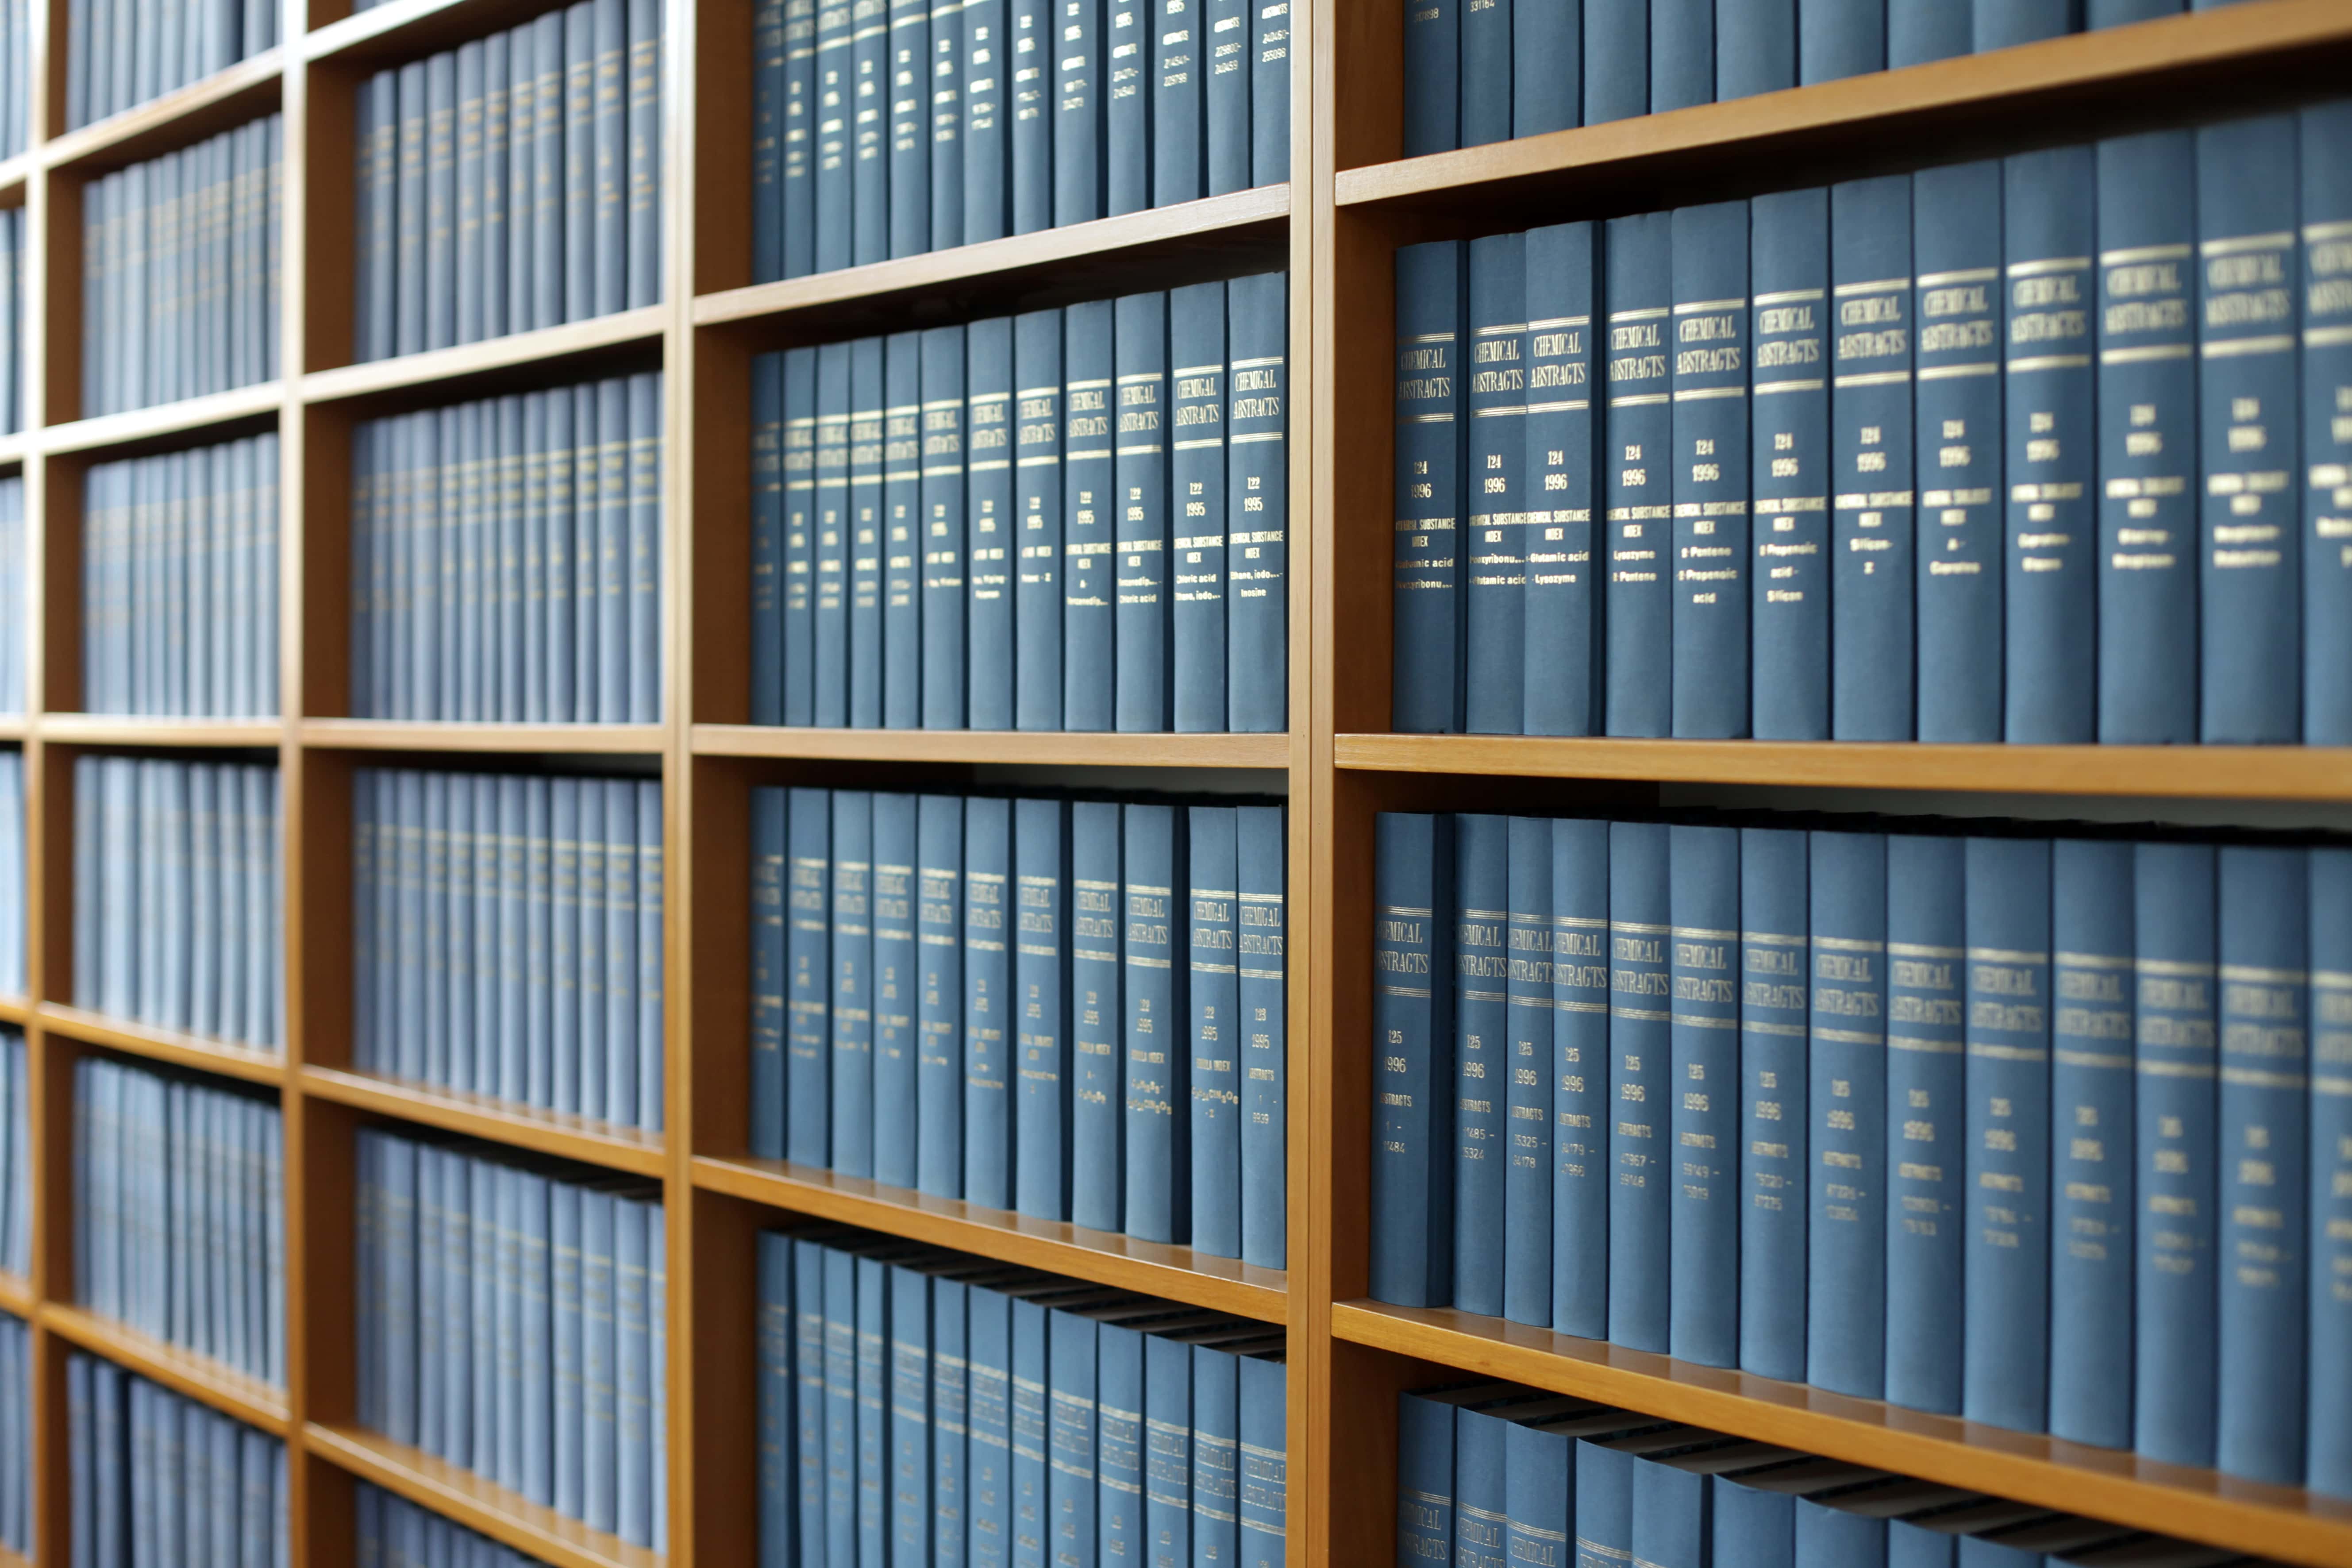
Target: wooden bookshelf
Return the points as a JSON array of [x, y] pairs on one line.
[[200, 1378]]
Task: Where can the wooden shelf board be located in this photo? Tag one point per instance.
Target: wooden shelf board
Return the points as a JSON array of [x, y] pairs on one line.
[[1154, 1268], [165, 419], [2241, 772], [162, 1045], [430, 374], [16, 1295], [14, 1010], [250, 1400], [14, 446], [478, 1504], [527, 739], [409, 29], [580, 1138], [187, 114], [2008, 95], [2199, 1505], [15, 727], [127, 730], [1057, 748]]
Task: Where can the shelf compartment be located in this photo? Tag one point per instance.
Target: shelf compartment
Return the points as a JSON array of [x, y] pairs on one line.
[[130, 729], [2199, 1505], [1017, 747], [162, 1044], [1153, 1269], [580, 1138], [246, 90], [448, 375], [136, 426], [522, 740], [250, 1400], [478, 1504]]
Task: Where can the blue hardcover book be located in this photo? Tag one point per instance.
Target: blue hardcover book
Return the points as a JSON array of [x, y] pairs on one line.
[[1214, 1031], [1539, 1488], [875, 1279], [989, 456], [1871, 533], [1427, 684], [1195, 573], [812, 1260], [869, 132], [1839, 39], [1261, 932], [2263, 1129], [796, 540], [2147, 445], [1216, 1444], [1226, 95], [1547, 67], [1120, 1445], [2327, 216], [1704, 910], [851, 1072], [1139, 565], [829, 541], [1845, 1274], [1433, 59], [1174, 43], [1581, 1096], [1091, 512], [2250, 533], [2004, 1359], [1264, 1459], [1424, 1470], [1158, 1078], [1955, 243], [1617, 63], [1030, 1466], [1031, 99], [1482, 1484], [1682, 54], [1411, 1253], [1128, 73], [1999, 24], [1486, 73], [1073, 1517], [768, 90], [1168, 1451], [1756, 46], [2091, 1030], [834, 97], [1918, 31], [1036, 647], [1639, 1075], [1526, 1123], [1926, 930], [1041, 1001], [2175, 912], [895, 976], [1097, 1103], [1775, 922], [941, 86], [988, 1002], [779, 1484], [907, 1501], [1495, 663], [769, 986], [1789, 586], [1710, 471], [908, 93], [2327, 1459], [767, 538], [2049, 221], [1639, 491], [862, 530], [1480, 906], [988, 65], [950, 1381], [1561, 681], [1080, 100], [939, 991], [902, 530], [940, 533], [1257, 505], [808, 957], [840, 1428]]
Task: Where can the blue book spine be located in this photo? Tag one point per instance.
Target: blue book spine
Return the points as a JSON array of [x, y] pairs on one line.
[[1704, 908], [829, 538], [1840, 38], [1527, 1126], [939, 540], [987, 1002], [1226, 97], [938, 992], [1845, 1273], [1754, 1527], [767, 538], [1031, 96], [1788, 582], [2327, 1457], [1215, 1031], [1119, 1444], [1217, 1441], [1073, 1518], [2147, 422], [1168, 1451], [1480, 902], [1682, 54], [1754, 47], [1582, 1118], [902, 530], [1139, 566], [1411, 1251], [2091, 1031], [841, 1414], [810, 1261], [2327, 216], [1637, 482], [1560, 683], [1080, 102], [1131, 51], [768, 985], [1431, 423], [796, 539], [1538, 1467], [1775, 921], [1265, 1461], [987, 122], [1038, 381], [1546, 68], [1617, 62], [907, 1500], [988, 519], [1871, 537], [1640, 1085], [1710, 471], [1496, 664], [908, 94], [863, 531], [1041, 1000], [1604, 1488], [1432, 77], [1481, 1488], [951, 1382], [1486, 76], [1092, 510], [796, 135], [1179, 148], [1097, 1109], [852, 942], [2048, 220], [1031, 1436], [1957, 252], [1261, 941], [1270, 72], [1158, 1078], [2251, 534], [1672, 1518], [1424, 1472], [1257, 505], [869, 132], [2123, 13], [834, 97], [779, 1485], [1195, 574], [2263, 1130], [896, 977], [1926, 930], [808, 1011], [2001, 24], [2004, 1360], [1918, 31], [942, 93]]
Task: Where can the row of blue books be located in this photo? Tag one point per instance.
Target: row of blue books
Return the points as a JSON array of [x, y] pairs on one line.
[[16, 74], [2040, 449], [15, 1157], [975, 997], [12, 266], [511, 183], [506, 558], [178, 1212], [918, 1405], [16, 1436], [2051, 1134], [122, 53], [179, 582], [1487, 70], [390, 1532], [13, 931], [157, 1480], [1490, 1473], [180, 263], [897, 127], [179, 913], [511, 1318], [507, 938], [932, 547]]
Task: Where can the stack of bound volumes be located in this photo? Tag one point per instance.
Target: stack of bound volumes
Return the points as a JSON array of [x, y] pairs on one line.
[[1068, 519], [179, 571], [513, 183], [15, 1158], [180, 258], [124, 52], [156, 1477], [179, 903], [390, 1532], [920, 1405], [12, 873], [2044, 449], [888, 128], [179, 1213], [1492, 1473], [2051, 1134], [1070, 1008], [506, 558], [16, 1436], [507, 938], [510, 1323]]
